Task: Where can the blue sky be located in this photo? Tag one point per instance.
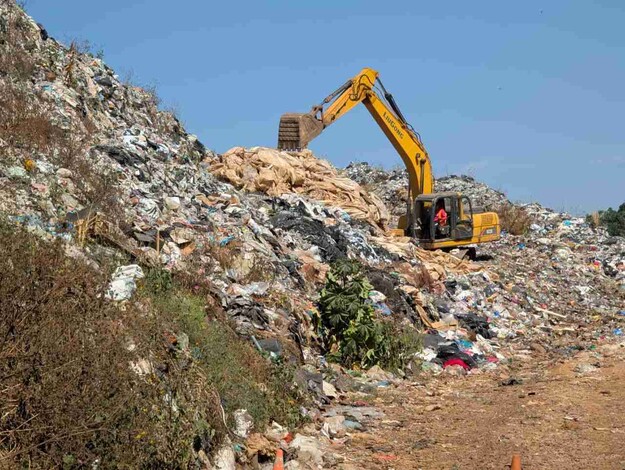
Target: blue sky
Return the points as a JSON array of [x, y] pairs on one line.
[[527, 96]]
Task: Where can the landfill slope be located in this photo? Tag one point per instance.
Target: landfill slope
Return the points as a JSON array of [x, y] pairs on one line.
[[114, 178]]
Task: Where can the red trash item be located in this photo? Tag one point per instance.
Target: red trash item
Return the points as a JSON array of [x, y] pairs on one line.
[[456, 362]]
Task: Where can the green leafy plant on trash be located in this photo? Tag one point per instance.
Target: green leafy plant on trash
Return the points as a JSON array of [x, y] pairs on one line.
[[613, 220], [349, 329]]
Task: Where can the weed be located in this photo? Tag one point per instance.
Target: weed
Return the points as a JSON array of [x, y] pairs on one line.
[[259, 271], [68, 396], [349, 329], [68, 392], [403, 343], [594, 219], [158, 281], [86, 47], [25, 122], [15, 62]]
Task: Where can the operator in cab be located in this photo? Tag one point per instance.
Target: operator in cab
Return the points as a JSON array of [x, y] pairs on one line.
[[440, 219]]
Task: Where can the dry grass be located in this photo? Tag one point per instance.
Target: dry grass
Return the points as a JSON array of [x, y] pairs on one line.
[[230, 256], [24, 121], [68, 396], [514, 219], [14, 61], [594, 219]]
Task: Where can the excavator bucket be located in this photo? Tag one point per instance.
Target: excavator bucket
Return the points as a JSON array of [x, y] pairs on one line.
[[297, 130]]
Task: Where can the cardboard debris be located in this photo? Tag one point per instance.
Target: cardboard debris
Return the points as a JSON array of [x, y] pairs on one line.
[[275, 173]]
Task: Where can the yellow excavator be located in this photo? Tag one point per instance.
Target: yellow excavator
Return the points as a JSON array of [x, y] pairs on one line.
[[464, 225]]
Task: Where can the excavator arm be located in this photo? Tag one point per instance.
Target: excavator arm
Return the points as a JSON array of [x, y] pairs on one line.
[[297, 130]]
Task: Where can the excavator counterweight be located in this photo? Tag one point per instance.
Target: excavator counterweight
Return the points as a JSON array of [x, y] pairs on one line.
[[297, 130]]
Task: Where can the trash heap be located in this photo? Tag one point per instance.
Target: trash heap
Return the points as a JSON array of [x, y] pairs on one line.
[[262, 227]]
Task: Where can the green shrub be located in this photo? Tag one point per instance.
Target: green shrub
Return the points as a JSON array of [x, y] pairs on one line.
[[403, 342], [347, 324], [614, 220], [238, 373], [347, 321]]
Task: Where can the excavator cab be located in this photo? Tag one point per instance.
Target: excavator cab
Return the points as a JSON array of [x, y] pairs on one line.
[[434, 232]]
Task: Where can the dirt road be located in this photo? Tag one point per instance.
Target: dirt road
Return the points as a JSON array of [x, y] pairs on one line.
[[558, 414]]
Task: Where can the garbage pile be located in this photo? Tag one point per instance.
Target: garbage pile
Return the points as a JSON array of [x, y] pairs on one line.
[[481, 195], [262, 227], [391, 186]]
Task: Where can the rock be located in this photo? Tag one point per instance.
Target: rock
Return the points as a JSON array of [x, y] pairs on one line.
[[334, 426], [455, 370], [16, 172], [585, 368], [355, 425], [329, 390], [538, 348], [172, 203], [377, 373], [64, 173], [436, 406], [70, 203]]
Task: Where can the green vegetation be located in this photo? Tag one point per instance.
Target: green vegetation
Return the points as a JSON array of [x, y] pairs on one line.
[[242, 378], [351, 333], [613, 220]]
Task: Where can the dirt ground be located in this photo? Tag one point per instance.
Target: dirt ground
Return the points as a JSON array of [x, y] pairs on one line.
[[557, 414]]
